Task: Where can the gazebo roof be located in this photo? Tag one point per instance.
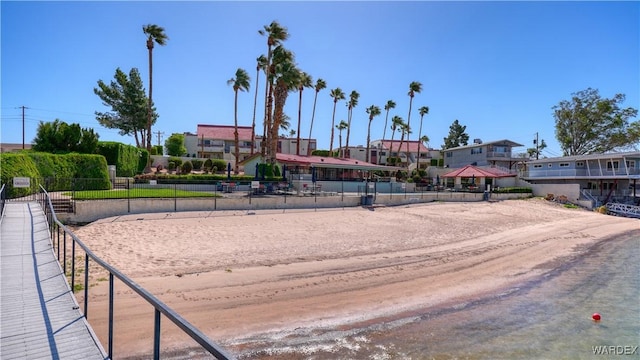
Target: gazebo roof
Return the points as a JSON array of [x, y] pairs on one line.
[[473, 171]]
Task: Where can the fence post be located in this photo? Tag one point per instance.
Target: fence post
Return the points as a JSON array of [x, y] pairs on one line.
[[86, 284], [64, 253], [175, 197], [73, 264], [128, 196], [110, 341], [156, 335]]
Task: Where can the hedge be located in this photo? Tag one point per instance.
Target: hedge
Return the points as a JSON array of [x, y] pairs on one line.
[[55, 171], [126, 158]]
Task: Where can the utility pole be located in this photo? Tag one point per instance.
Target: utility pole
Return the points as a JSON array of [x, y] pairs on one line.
[[535, 142], [159, 133], [22, 107]]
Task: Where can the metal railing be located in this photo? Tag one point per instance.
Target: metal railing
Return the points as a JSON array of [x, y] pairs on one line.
[[2, 195], [55, 229]]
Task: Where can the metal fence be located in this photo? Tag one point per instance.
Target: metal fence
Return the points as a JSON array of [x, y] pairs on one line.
[[59, 234]]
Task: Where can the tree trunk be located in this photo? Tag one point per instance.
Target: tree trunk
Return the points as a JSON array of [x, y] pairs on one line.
[[235, 134], [313, 115], [255, 105], [333, 122], [346, 154], [368, 138], [299, 120]]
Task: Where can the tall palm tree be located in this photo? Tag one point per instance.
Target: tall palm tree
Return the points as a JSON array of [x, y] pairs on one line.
[[414, 87], [320, 84], [155, 34], [304, 81], [286, 76], [423, 111], [353, 102], [341, 126], [262, 64], [390, 105], [373, 111], [275, 34], [337, 95], [396, 121], [240, 82]]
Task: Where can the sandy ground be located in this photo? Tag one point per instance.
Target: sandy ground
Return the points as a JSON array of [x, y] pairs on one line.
[[235, 274]]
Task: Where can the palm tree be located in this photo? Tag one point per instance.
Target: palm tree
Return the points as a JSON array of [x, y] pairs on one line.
[[390, 105], [275, 34], [396, 121], [373, 111], [353, 102], [155, 34], [423, 111], [414, 87], [240, 82], [320, 84], [336, 94], [304, 81], [341, 126], [286, 77], [404, 130], [262, 64]]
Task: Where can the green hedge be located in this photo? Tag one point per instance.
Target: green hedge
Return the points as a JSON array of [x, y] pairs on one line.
[[126, 158], [55, 171], [17, 165], [513, 190]]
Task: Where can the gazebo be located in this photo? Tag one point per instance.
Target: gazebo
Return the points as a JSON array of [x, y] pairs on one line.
[[474, 178]]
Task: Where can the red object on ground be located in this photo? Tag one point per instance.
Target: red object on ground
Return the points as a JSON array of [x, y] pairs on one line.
[[595, 316]]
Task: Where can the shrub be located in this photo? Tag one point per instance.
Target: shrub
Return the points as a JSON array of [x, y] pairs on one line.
[[126, 158], [186, 167], [17, 165], [172, 166], [197, 164], [220, 164], [176, 160], [208, 164], [514, 190]]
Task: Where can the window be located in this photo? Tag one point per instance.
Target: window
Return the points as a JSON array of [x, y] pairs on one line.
[[612, 165], [549, 165], [500, 149], [537, 166], [477, 150], [449, 154], [565, 164], [631, 164], [579, 164]]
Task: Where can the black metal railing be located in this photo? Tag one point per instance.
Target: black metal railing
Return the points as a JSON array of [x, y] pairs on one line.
[[2, 196], [55, 229]]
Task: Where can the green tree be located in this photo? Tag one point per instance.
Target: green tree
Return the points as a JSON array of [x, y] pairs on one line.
[[240, 82], [388, 106], [373, 111], [457, 136], [422, 111], [320, 84], [353, 102], [404, 130], [58, 137], [155, 34], [414, 87], [275, 34], [337, 95], [262, 64], [341, 126], [175, 145], [304, 81], [128, 102], [590, 124]]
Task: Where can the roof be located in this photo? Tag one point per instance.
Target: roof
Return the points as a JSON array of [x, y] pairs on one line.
[[503, 142], [326, 162], [224, 132], [605, 156], [410, 146], [473, 171]]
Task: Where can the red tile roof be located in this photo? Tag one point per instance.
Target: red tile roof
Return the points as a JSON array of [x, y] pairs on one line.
[[412, 146], [223, 132], [470, 170]]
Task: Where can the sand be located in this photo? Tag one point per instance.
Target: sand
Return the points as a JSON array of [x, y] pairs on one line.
[[236, 274]]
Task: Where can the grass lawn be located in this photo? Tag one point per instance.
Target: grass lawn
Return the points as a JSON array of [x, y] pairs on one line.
[[136, 193]]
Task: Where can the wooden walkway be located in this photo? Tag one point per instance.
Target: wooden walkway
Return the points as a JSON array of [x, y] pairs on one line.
[[39, 316]]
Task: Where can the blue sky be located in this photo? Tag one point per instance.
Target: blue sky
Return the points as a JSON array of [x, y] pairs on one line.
[[497, 67]]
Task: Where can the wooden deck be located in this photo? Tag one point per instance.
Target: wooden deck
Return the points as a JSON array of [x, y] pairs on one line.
[[39, 316]]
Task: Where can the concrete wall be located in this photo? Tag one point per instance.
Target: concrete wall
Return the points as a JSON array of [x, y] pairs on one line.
[[92, 210]]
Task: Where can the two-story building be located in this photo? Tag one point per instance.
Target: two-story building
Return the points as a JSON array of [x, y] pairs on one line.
[[601, 177], [218, 142], [382, 151], [496, 154]]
